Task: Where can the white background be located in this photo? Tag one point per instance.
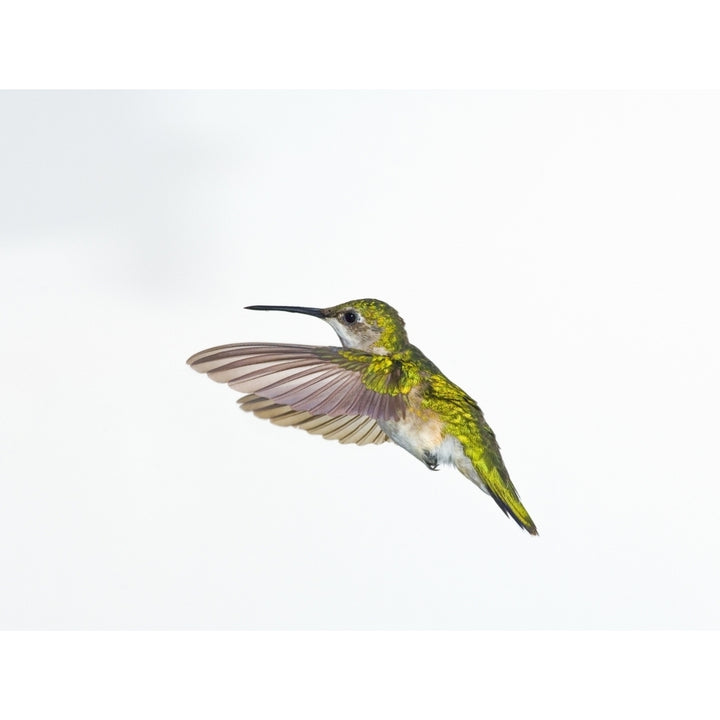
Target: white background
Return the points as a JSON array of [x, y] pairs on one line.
[[553, 253]]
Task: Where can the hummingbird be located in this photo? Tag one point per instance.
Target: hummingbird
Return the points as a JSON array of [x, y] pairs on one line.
[[376, 388]]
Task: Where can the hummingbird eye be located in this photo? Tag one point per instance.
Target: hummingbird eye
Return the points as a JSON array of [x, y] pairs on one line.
[[350, 317]]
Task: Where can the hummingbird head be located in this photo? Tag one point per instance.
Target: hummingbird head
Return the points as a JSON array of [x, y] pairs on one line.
[[369, 325]]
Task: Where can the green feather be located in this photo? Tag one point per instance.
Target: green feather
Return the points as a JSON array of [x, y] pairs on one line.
[[400, 372]]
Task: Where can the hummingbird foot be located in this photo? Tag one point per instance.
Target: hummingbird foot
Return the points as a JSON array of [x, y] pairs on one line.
[[430, 459]]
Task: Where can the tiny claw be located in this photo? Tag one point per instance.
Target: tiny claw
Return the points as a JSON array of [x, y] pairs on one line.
[[430, 460]]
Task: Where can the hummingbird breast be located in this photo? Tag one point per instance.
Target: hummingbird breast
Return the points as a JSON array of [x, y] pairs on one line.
[[421, 432]]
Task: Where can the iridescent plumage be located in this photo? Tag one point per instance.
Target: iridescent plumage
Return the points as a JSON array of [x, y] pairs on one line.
[[377, 387]]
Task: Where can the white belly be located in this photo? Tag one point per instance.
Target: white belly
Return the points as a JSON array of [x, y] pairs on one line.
[[424, 439]]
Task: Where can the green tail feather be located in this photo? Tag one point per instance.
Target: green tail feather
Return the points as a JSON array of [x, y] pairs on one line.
[[488, 464], [504, 494], [464, 420], [488, 469]]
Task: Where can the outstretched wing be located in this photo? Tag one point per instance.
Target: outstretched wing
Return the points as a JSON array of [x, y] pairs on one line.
[[314, 388]]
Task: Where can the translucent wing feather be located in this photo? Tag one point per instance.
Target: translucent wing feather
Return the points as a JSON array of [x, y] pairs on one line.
[[346, 429], [314, 388]]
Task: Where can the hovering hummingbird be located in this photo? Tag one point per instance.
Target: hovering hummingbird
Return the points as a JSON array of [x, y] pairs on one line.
[[376, 387]]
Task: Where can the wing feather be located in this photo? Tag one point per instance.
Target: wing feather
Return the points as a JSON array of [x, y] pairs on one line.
[[303, 378], [346, 429]]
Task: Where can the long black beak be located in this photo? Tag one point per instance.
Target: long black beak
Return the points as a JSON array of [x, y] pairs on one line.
[[315, 312]]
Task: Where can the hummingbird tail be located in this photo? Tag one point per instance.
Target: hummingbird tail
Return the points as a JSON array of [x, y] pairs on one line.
[[513, 508], [488, 472]]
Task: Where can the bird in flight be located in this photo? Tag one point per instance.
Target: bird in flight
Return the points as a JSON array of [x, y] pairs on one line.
[[376, 387]]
